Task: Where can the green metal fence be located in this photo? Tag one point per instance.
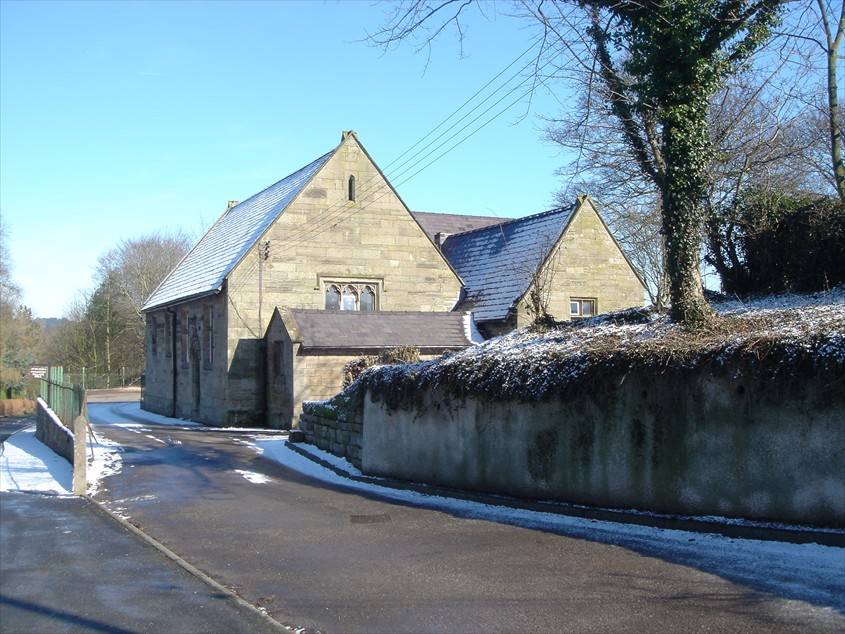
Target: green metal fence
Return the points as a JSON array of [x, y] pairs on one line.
[[68, 401], [96, 379]]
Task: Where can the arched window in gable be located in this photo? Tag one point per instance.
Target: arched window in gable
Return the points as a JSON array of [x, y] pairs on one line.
[[332, 298], [349, 301], [351, 191], [368, 299]]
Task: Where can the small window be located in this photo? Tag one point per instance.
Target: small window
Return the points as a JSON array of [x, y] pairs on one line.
[[349, 301], [582, 308], [154, 335], [351, 192], [332, 298], [368, 299], [168, 335]]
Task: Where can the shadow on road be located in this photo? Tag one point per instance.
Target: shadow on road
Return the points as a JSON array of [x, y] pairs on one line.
[[60, 615]]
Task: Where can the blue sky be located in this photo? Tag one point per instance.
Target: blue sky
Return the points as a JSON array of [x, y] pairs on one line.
[[118, 119]]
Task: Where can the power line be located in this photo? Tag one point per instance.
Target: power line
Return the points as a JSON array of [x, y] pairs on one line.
[[333, 219], [334, 214], [364, 188]]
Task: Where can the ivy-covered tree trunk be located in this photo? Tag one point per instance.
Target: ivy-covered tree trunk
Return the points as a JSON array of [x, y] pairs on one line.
[[683, 192]]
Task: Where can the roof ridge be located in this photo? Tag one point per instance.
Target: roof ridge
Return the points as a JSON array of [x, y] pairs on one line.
[[152, 303], [548, 212], [451, 213], [374, 312]]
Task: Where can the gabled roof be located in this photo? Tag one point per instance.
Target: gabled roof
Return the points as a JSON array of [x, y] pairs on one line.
[[203, 270], [333, 329], [497, 263], [433, 223]]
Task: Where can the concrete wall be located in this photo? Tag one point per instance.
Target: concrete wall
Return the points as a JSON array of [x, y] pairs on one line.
[[589, 264], [689, 443], [373, 239], [340, 437], [50, 430]]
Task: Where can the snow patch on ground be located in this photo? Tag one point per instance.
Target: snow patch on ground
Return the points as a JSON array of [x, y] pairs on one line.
[[807, 572], [138, 420], [336, 461], [27, 464], [106, 461], [253, 476], [133, 412]]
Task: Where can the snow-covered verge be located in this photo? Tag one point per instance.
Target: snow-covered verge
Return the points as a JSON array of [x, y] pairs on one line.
[[807, 572], [27, 464], [104, 459], [773, 337], [131, 416]]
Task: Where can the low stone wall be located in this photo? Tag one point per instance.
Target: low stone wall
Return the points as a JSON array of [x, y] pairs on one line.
[[679, 442], [339, 437], [50, 430]]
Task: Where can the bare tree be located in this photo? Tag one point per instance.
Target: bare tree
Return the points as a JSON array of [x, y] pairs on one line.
[[104, 329], [541, 267], [657, 66], [830, 43], [137, 266]]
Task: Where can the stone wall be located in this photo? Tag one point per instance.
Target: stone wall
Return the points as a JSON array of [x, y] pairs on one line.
[[680, 442], [50, 430], [339, 437], [194, 371], [589, 264], [374, 239]]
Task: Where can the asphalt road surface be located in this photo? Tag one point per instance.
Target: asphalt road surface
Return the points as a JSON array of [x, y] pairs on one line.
[[339, 561], [10, 424], [66, 568]]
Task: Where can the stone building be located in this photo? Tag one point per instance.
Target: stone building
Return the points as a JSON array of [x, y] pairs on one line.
[[307, 349], [336, 236]]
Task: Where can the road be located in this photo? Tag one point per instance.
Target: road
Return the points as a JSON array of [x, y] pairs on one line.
[[10, 424], [332, 559], [67, 568]]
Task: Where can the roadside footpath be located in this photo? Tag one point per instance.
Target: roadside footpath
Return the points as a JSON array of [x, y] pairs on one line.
[[66, 568]]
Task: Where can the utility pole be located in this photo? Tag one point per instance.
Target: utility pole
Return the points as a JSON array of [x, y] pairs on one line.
[[263, 256]]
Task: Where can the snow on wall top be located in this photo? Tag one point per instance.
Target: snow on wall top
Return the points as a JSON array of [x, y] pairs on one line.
[[498, 262], [205, 267]]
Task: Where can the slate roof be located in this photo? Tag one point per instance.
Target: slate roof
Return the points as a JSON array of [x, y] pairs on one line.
[[203, 270], [497, 263], [434, 223], [385, 329]]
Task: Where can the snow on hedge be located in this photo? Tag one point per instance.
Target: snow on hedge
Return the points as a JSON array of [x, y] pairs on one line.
[[775, 336]]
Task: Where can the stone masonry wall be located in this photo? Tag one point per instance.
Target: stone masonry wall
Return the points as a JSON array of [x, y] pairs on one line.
[[174, 353], [588, 264], [373, 239], [339, 437], [50, 430]]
